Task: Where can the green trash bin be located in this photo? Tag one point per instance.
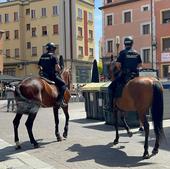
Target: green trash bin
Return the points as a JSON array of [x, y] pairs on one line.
[[131, 117], [93, 100]]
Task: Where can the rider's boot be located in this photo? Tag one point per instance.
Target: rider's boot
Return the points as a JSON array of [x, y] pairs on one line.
[[61, 97]]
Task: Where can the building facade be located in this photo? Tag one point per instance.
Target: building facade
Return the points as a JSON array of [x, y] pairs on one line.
[[141, 19], [1, 56], [30, 24], [162, 14]]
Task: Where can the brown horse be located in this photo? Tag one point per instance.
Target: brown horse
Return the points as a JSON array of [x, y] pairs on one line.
[[33, 92], [139, 94]]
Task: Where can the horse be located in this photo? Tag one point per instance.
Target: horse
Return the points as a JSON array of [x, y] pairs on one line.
[[140, 94], [33, 92]]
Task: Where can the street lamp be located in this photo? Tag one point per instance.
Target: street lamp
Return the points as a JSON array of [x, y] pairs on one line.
[[117, 45]]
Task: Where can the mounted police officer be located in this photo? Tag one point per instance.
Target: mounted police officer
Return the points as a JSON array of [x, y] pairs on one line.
[[50, 69], [129, 62]]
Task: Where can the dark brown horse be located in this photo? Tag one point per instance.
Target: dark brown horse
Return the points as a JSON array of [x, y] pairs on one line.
[[33, 92], [139, 94]]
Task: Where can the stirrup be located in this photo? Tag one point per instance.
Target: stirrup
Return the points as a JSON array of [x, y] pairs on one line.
[[63, 104]]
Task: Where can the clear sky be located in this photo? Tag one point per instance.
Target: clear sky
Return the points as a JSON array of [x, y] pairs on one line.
[[98, 25]]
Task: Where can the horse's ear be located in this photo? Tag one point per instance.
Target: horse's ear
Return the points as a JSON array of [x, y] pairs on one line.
[[118, 65]]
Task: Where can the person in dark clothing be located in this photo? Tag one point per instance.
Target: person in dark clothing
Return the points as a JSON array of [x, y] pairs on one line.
[[50, 69], [129, 62]]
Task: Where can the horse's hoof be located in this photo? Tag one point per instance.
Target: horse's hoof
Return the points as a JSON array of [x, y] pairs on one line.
[[155, 151], [18, 147], [146, 156], [115, 142], [130, 134], [59, 139], [65, 135], [36, 145]]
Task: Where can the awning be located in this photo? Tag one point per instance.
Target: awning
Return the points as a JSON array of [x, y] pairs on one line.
[[8, 78]]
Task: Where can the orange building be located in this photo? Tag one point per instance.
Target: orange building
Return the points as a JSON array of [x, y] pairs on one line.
[[162, 14], [147, 21], [1, 55]]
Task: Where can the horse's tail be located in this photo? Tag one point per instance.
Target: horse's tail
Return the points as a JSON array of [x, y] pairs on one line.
[[157, 108]]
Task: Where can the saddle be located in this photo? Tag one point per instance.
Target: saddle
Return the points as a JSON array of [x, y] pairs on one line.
[[67, 95], [125, 77]]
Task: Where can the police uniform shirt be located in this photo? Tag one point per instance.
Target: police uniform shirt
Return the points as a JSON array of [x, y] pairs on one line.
[[129, 59], [48, 62]]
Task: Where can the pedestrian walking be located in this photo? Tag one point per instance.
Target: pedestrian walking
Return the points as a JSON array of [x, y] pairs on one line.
[[9, 90]]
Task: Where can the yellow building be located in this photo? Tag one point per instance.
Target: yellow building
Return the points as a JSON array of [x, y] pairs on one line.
[[1, 56], [30, 24]]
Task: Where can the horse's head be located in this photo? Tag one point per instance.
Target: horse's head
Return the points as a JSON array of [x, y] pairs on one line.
[[114, 69], [66, 76]]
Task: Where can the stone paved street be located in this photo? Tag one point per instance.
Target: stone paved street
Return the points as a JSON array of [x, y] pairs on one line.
[[89, 144]]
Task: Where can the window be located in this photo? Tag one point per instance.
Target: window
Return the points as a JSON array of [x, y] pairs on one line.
[[80, 52], [33, 15], [16, 16], [55, 10], [17, 52], [109, 46], [166, 44], [145, 8], [80, 32], [7, 53], [109, 20], [27, 11], [44, 30], [7, 35], [9, 71], [90, 16], [146, 55], [0, 18], [109, 1], [43, 12], [28, 45], [91, 51], [34, 32], [80, 13], [145, 29], [6, 18], [127, 16], [166, 16], [55, 29], [90, 34], [16, 34], [28, 27], [34, 51]]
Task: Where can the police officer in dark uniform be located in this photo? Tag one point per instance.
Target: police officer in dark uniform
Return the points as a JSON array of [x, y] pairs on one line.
[[50, 68], [129, 62]]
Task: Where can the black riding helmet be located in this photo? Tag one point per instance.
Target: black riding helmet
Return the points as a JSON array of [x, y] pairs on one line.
[[50, 46], [128, 41]]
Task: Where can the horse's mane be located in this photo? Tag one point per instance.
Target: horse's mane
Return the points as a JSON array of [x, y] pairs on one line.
[[66, 76]]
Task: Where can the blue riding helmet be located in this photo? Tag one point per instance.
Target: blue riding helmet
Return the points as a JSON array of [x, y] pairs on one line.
[[50, 46]]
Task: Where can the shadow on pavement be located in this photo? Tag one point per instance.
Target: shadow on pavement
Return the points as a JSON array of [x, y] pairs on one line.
[[6, 152], [85, 121], [106, 155]]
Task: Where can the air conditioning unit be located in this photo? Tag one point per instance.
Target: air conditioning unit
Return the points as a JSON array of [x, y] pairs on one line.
[[20, 66]]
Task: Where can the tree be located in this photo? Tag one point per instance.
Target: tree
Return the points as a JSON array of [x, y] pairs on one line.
[[95, 73]]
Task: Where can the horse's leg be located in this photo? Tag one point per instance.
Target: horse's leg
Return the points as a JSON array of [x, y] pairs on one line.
[[29, 125], [65, 109], [125, 124], [116, 141], [146, 128], [56, 118], [16, 122]]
